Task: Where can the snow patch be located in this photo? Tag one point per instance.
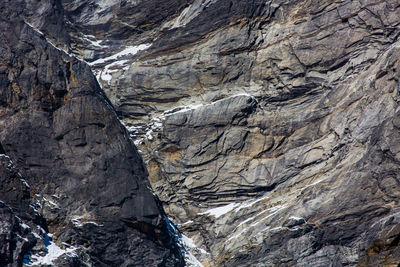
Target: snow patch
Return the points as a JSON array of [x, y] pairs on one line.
[[76, 221], [130, 50], [249, 204], [188, 222], [196, 106], [92, 39], [36, 235], [180, 109], [49, 42], [218, 212], [25, 226], [272, 211], [42, 230], [50, 203], [139, 133], [149, 135], [296, 218], [10, 162], [190, 259], [106, 73], [52, 253], [152, 128], [24, 182], [22, 238]]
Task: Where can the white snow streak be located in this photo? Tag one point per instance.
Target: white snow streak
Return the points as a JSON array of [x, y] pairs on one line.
[[179, 109], [76, 221], [92, 39], [34, 28], [219, 211], [130, 50]]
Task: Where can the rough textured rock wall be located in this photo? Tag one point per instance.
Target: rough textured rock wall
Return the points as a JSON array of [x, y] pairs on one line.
[[269, 128], [86, 177], [16, 214]]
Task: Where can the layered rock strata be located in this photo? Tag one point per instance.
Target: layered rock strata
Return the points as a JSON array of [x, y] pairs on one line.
[[85, 175], [269, 128]]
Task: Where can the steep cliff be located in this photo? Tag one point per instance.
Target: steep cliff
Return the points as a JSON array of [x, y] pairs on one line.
[[269, 129], [84, 173]]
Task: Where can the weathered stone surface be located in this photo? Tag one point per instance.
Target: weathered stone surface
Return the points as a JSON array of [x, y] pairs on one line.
[[16, 239], [303, 175], [48, 17], [84, 172], [13, 245], [268, 128]]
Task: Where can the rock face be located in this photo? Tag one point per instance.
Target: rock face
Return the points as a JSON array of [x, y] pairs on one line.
[[85, 175], [269, 129], [16, 239]]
